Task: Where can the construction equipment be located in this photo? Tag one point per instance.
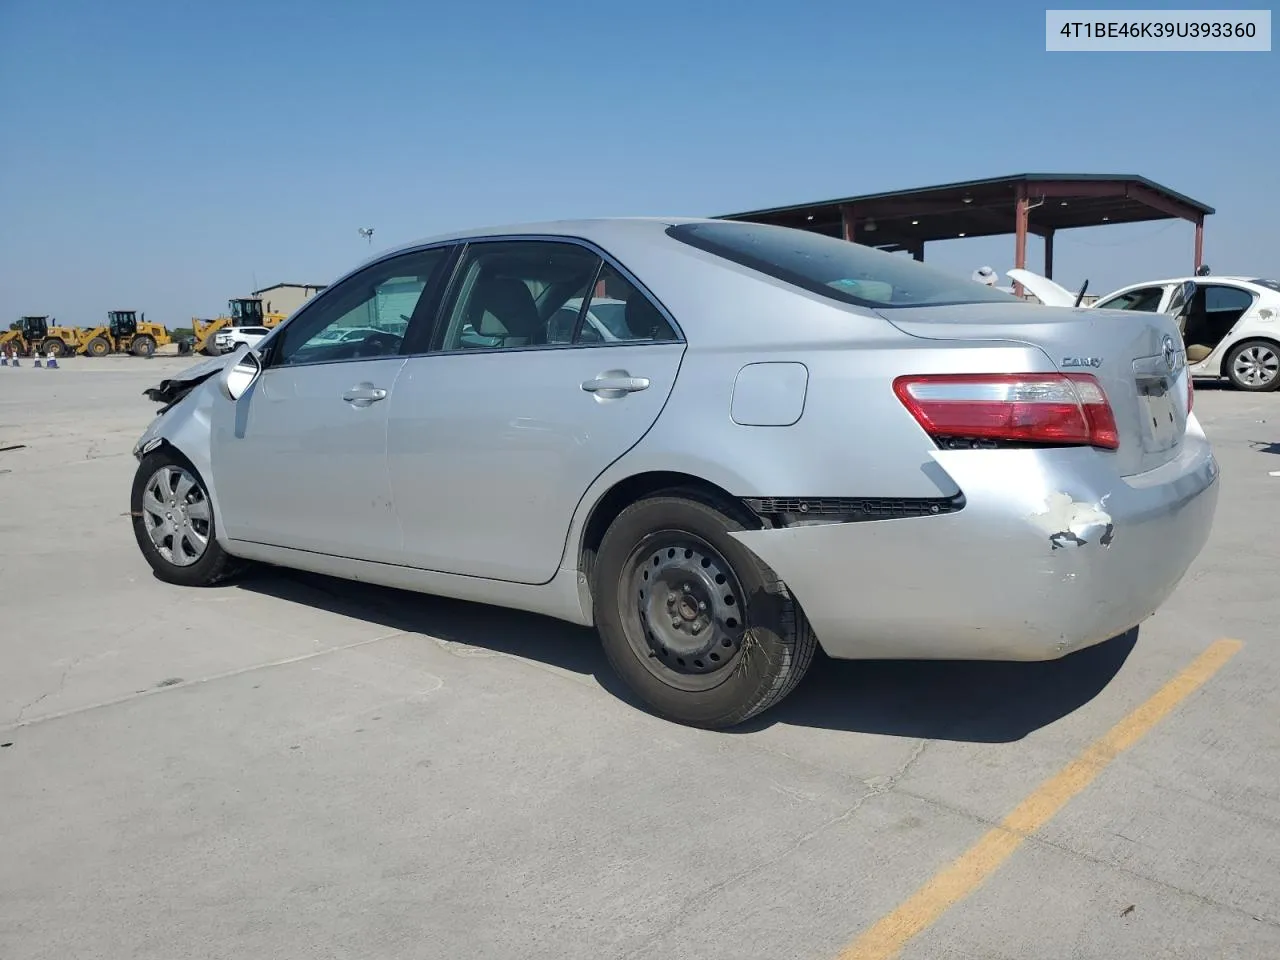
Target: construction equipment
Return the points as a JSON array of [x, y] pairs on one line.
[[37, 336], [241, 312], [124, 333]]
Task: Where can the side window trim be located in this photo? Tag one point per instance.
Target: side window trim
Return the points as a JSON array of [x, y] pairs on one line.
[[423, 329], [449, 291], [576, 339]]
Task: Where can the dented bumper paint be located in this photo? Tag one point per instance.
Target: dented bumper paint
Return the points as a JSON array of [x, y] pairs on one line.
[[1052, 552]]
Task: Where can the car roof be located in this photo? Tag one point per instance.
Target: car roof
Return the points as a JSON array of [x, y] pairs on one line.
[[602, 230], [1211, 278]]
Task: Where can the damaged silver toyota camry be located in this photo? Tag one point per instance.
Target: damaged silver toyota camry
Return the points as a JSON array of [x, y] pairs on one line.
[[722, 444]]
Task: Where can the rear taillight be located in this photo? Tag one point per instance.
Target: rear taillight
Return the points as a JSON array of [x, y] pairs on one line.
[[1191, 393], [1060, 409]]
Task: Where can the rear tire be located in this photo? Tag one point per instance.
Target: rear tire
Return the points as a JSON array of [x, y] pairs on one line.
[[1253, 365], [174, 524], [703, 632], [98, 347], [143, 346]]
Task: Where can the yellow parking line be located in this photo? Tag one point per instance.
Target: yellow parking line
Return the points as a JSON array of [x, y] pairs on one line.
[[963, 876]]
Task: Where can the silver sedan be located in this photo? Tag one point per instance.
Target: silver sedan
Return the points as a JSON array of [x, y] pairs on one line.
[[789, 441]]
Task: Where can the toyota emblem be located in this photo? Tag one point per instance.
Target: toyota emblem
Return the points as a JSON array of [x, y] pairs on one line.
[[1168, 352]]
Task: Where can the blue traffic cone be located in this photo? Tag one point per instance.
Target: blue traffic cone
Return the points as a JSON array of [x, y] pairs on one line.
[[4, 361], [38, 363], [52, 363]]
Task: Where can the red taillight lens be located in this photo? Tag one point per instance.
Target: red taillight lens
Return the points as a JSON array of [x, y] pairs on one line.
[[1050, 408], [1191, 393]]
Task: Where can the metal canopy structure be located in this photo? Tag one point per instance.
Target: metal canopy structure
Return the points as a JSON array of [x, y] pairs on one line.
[[1039, 203]]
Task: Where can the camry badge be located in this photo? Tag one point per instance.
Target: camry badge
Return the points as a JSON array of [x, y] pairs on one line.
[[1082, 361]]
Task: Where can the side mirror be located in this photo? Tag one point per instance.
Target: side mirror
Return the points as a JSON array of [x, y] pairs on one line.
[[239, 376]]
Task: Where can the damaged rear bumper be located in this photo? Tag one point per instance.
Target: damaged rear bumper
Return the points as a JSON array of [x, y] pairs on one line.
[[1052, 552]]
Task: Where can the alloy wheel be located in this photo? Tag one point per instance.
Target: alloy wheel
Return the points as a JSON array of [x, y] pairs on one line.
[[1256, 365], [177, 514]]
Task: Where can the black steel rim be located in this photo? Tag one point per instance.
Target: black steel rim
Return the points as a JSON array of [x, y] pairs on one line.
[[684, 610]]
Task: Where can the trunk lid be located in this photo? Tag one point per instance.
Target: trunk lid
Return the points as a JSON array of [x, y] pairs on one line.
[[1137, 357], [1045, 290]]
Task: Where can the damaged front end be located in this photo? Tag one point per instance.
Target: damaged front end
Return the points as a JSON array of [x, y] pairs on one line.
[[171, 391]]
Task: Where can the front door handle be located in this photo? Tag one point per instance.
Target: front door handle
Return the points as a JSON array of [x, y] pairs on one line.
[[364, 394], [615, 383]]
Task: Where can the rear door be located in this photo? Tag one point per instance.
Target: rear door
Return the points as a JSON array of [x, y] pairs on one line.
[[495, 434], [300, 460]]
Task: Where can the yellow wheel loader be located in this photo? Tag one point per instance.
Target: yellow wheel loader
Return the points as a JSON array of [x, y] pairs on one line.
[[36, 336], [124, 333], [241, 312]]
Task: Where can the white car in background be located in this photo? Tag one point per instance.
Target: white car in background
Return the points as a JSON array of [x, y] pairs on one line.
[[230, 338], [1232, 329]]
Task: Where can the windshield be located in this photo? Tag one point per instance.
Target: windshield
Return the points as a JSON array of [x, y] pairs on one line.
[[848, 272]]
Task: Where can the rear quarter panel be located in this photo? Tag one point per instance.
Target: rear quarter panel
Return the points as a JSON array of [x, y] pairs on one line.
[[853, 438]]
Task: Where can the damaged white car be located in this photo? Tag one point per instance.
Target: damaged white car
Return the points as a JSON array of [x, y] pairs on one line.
[[1231, 329], [785, 441]]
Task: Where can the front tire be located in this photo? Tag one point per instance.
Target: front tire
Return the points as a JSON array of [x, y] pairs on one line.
[[53, 347], [692, 621], [143, 346], [174, 524], [98, 347], [1254, 365]]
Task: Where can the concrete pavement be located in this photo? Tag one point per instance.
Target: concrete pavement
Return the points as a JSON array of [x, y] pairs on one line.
[[298, 767]]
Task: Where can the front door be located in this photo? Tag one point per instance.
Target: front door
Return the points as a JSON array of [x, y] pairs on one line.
[[549, 366], [300, 460]]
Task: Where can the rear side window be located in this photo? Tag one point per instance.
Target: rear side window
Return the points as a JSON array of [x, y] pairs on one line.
[[843, 271]]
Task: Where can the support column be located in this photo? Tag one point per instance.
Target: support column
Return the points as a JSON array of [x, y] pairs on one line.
[[917, 250], [847, 223], [1020, 233], [1048, 254], [1199, 241]]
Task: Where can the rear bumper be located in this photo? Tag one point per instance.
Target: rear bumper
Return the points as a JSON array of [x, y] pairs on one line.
[[1052, 552]]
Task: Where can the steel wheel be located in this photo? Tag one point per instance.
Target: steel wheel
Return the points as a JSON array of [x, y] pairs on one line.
[[177, 515], [688, 610], [1255, 366]]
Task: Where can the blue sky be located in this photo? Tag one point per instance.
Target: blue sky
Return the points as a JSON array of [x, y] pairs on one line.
[[165, 156]]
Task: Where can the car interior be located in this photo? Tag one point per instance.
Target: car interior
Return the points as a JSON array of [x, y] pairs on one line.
[[519, 297], [1214, 311], [510, 295]]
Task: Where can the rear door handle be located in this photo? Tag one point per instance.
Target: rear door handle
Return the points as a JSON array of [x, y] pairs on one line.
[[615, 383], [364, 394]]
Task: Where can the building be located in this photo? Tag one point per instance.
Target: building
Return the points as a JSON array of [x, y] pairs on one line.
[[286, 297]]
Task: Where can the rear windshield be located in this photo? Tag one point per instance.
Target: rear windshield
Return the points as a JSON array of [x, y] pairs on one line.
[[848, 272], [1269, 284]]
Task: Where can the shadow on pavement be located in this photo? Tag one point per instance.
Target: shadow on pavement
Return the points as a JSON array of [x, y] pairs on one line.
[[987, 702], [967, 700]]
